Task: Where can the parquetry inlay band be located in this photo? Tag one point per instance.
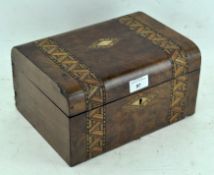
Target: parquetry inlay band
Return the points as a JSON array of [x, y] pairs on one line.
[[178, 59], [93, 89]]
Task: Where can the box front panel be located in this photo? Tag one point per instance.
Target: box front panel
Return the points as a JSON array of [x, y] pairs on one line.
[[136, 115], [130, 118], [148, 110], [126, 119]]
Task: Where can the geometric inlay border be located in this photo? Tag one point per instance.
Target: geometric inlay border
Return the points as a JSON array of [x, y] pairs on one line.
[[92, 87], [178, 60]]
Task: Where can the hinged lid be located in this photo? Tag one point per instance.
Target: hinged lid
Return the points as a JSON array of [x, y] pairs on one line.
[[92, 66]]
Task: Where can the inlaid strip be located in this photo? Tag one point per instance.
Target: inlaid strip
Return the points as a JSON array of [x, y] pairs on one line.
[[178, 59], [93, 89]]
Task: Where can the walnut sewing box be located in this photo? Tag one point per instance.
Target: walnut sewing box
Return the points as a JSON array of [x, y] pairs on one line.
[[93, 89]]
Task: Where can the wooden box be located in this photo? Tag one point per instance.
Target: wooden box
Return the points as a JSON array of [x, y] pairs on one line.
[[93, 89]]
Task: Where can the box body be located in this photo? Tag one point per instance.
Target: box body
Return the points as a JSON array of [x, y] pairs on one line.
[[75, 88]]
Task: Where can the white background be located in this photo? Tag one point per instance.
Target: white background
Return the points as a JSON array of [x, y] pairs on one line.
[[185, 148]]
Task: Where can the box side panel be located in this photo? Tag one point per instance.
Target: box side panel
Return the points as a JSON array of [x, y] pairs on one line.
[[43, 115], [40, 79], [191, 94], [49, 85]]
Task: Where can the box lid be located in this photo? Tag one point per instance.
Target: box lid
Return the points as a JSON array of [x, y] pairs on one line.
[[89, 67]]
